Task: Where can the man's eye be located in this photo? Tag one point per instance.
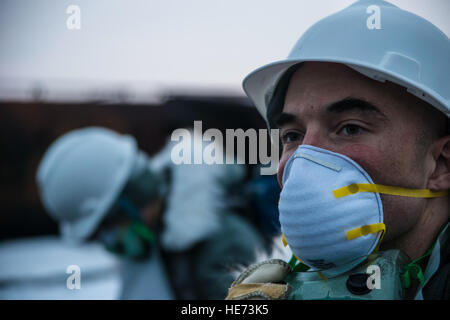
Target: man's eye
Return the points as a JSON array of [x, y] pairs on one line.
[[351, 130], [291, 137]]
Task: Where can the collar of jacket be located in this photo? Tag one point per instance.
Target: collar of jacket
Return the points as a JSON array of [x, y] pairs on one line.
[[437, 257]]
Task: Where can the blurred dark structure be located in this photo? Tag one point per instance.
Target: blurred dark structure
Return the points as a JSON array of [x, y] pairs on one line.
[[27, 129]]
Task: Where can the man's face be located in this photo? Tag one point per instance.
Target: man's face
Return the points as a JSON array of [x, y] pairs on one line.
[[376, 124]]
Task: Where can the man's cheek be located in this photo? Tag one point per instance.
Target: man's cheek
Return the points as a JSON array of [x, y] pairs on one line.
[[284, 158], [368, 157]]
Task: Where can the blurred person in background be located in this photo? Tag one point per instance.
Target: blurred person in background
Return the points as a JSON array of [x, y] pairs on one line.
[[172, 224]]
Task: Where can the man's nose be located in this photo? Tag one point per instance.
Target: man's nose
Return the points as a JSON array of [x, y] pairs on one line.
[[315, 137]]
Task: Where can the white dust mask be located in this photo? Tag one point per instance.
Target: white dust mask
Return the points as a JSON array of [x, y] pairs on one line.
[[331, 213]]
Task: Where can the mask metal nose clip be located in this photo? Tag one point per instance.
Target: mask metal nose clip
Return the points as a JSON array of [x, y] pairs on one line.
[[321, 162]]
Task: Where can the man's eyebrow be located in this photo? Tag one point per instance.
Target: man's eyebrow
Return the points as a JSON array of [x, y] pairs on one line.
[[354, 104], [341, 106], [284, 118]]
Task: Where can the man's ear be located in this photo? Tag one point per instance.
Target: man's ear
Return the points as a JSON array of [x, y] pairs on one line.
[[440, 179]]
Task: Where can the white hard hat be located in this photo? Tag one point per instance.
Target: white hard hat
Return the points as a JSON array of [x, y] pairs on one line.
[[81, 176], [406, 49]]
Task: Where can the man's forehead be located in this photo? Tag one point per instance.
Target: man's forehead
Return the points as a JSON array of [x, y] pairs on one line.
[[312, 78], [317, 85]]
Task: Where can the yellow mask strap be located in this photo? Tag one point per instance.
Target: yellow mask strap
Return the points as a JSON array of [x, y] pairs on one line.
[[285, 244], [365, 230], [396, 191], [368, 229], [300, 266], [283, 239]]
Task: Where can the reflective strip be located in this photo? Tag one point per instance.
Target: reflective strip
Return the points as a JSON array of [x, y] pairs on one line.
[[365, 230], [396, 191]]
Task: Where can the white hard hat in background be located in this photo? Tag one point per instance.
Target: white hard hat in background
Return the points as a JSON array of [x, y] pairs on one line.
[[81, 175], [403, 48]]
